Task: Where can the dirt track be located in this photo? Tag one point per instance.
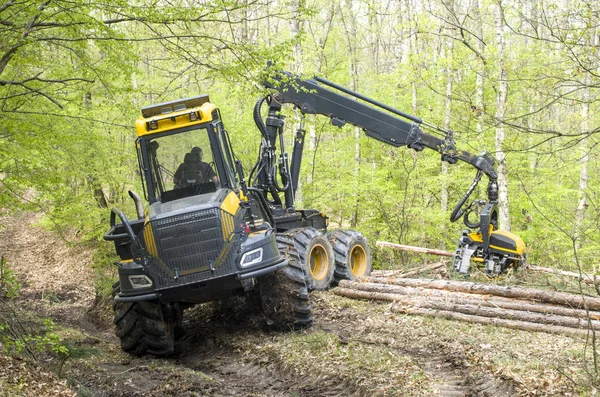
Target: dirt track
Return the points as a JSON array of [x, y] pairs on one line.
[[354, 348]]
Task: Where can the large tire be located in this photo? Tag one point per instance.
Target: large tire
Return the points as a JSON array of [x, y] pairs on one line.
[[144, 327], [352, 255], [316, 255], [284, 296]]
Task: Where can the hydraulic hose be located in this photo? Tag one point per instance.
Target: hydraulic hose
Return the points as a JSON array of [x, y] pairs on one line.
[[276, 184], [468, 212], [458, 210], [258, 119]]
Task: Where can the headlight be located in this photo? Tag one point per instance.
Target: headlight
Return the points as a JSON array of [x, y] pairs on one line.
[[140, 281], [252, 257]]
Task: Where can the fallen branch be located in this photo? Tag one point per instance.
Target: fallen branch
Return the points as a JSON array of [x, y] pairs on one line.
[[393, 293], [414, 249], [513, 324], [399, 274], [560, 298], [585, 277]]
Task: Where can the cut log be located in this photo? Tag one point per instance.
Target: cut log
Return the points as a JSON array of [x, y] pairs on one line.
[[399, 274], [586, 278], [391, 293], [509, 314], [410, 248], [513, 324], [477, 309], [560, 298]]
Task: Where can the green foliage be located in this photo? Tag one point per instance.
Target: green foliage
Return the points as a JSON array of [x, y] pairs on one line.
[[9, 284], [73, 76], [105, 272], [48, 341], [16, 335]]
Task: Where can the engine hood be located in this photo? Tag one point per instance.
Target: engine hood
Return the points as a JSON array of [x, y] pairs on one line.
[[222, 198]]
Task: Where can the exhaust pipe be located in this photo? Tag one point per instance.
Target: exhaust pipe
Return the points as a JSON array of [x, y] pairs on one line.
[[139, 207]]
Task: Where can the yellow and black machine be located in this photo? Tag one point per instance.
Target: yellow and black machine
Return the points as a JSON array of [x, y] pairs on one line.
[[208, 234]]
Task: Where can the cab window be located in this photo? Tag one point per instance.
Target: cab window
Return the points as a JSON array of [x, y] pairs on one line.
[[182, 165]]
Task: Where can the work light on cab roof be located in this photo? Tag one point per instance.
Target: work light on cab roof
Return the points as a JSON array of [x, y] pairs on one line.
[[175, 114]]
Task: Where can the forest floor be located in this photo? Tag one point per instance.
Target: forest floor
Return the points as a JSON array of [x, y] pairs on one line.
[[355, 348]]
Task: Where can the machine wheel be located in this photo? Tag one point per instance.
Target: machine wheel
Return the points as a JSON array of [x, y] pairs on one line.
[[144, 327], [352, 255], [316, 254], [284, 296]]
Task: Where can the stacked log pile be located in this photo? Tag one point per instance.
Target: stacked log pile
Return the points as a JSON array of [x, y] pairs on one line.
[[512, 307]]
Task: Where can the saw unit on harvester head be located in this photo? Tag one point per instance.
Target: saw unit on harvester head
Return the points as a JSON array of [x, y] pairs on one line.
[[208, 234]]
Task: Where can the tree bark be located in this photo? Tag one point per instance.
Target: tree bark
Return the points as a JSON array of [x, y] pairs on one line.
[[480, 70], [585, 277], [481, 308], [414, 249], [449, 44], [400, 274], [584, 160], [501, 99], [396, 293], [513, 324], [560, 298]]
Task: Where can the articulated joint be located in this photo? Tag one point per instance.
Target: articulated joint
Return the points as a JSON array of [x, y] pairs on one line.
[[448, 149], [275, 121], [413, 141], [492, 191]]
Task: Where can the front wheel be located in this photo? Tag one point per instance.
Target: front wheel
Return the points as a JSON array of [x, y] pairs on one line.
[[146, 327], [352, 255], [284, 297]]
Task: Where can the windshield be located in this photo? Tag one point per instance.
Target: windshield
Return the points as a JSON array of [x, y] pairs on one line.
[[182, 165]]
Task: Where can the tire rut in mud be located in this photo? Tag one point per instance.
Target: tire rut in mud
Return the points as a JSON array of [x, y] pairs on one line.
[[455, 379], [238, 377], [450, 373], [452, 368], [218, 343]]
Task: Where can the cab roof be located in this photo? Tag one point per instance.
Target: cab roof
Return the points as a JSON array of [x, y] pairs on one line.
[[175, 114]]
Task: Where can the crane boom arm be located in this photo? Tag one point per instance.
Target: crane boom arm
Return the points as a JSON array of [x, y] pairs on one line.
[[344, 106], [495, 248], [326, 99]]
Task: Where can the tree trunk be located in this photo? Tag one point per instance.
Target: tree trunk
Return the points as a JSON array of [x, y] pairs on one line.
[[351, 40], [395, 293], [475, 308], [585, 277], [449, 44], [414, 249], [583, 162], [400, 274], [501, 99], [295, 26], [480, 70], [560, 298], [513, 324], [312, 132]]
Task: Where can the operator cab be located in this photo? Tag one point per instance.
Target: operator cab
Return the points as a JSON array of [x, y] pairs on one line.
[[183, 150]]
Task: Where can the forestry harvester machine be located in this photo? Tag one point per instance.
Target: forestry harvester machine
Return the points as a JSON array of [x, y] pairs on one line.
[[207, 234]]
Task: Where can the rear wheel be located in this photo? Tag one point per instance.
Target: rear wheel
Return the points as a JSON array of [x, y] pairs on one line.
[[316, 255], [284, 295], [352, 255], [144, 327]]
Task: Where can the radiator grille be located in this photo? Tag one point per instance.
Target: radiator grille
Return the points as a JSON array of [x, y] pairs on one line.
[[188, 244]]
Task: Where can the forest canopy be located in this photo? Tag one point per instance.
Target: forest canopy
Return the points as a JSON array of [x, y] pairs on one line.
[[518, 79]]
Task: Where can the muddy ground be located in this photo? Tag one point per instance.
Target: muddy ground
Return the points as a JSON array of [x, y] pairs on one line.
[[354, 348]]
